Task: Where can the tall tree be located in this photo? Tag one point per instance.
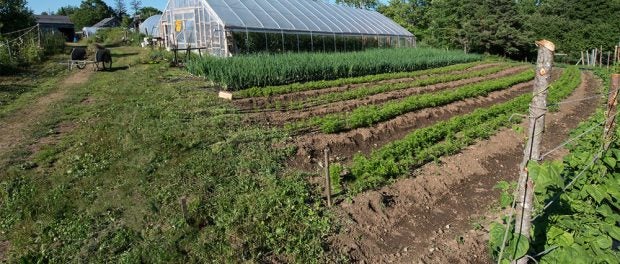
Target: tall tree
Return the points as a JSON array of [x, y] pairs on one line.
[[120, 8], [90, 12], [148, 11], [14, 15], [410, 14], [367, 4], [135, 6]]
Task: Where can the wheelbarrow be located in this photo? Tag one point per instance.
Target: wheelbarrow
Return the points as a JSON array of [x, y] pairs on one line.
[[79, 58]]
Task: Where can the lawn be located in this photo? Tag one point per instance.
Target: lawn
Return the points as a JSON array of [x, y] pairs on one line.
[[145, 138]]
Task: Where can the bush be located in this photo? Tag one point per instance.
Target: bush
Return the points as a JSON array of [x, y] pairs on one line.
[[116, 37]]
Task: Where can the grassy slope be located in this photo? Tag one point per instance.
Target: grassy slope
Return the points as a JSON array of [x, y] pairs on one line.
[[110, 190]]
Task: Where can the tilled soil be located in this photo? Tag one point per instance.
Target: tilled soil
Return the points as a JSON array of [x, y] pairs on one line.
[[363, 140], [285, 99], [435, 215], [281, 117]]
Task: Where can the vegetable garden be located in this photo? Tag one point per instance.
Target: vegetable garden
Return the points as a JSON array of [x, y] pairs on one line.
[[380, 126]]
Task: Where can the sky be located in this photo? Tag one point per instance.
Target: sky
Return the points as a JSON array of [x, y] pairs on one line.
[[39, 6]]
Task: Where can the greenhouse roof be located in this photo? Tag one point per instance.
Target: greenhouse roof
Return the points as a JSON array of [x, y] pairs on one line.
[[303, 16]]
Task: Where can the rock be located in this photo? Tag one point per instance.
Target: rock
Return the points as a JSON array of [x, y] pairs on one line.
[[431, 249], [405, 249]]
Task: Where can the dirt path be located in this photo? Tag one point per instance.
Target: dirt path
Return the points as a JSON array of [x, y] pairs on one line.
[[431, 216], [14, 128], [282, 117]]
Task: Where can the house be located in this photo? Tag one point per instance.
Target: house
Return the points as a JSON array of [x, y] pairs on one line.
[[108, 22], [56, 24], [105, 23]]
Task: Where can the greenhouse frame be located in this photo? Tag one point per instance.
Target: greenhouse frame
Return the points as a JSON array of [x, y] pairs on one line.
[[229, 27]]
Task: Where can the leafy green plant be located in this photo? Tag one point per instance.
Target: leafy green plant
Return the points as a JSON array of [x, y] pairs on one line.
[[576, 219], [443, 138], [368, 115], [245, 71], [322, 84]]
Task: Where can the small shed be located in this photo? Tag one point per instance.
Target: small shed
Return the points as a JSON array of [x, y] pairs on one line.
[[61, 24]]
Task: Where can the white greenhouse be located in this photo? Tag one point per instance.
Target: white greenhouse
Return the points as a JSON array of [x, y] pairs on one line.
[[228, 27]]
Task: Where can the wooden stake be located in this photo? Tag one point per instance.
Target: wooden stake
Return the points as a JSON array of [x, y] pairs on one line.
[[612, 102], [608, 57], [538, 109], [582, 58], [600, 57], [328, 180], [183, 202], [588, 57]]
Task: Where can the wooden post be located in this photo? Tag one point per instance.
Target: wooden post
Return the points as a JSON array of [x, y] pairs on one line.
[[600, 57], [328, 181], [538, 109], [8, 47], [608, 57], [582, 59], [612, 102], [183, 203], [588, 57], [615, 54]]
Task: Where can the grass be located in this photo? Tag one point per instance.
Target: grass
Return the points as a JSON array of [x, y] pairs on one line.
[[109, 191], [21, 88], [239, 72]]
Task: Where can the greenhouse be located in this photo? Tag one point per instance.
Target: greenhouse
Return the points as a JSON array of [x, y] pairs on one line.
[[150, 26], [229, 27]]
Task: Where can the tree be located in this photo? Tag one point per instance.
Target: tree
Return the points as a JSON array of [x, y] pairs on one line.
[[120, 8], [67, 10], [14, 15], [367, 4], [135, 6], [90, 12], [411, 15], [148, 11]]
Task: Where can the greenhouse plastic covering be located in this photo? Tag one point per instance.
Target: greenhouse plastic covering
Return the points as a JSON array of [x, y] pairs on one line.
[[303, 16], [150, 26]]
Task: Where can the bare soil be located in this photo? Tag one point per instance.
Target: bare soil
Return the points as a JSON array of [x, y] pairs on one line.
[[14, 127], [285, 99], [440, 214], [282, 117]]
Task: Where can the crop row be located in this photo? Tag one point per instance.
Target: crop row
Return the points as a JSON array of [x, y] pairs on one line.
[[362, 92], [238, 72], [368, 115], [322, 84], [446, 137]]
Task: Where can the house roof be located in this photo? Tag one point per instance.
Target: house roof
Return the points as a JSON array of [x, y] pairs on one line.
[[105, 22], [41, 19]]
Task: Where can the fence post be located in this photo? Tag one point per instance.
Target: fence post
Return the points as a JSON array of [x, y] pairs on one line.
[[610, 114], [538, 109], [8, 47], [328, 181]]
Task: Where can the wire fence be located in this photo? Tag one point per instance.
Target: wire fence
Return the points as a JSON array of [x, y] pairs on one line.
[[587, 167]]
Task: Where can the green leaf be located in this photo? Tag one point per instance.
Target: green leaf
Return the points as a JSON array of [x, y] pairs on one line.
[[610, 161], [496, 234], [596, 192], [518, 247], [603, 242], [560, 237]]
